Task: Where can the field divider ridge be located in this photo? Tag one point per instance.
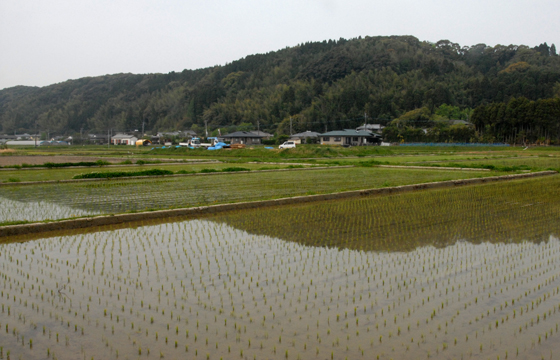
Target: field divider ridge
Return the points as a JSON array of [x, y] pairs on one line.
[[22, 229], [430, 167]]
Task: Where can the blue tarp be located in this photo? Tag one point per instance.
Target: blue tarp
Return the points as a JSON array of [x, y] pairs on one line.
[[218, 146]]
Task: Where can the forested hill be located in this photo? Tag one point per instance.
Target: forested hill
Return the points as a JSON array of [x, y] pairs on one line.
[[321, 85]]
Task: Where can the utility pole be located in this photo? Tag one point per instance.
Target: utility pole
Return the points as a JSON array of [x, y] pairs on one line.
[[290, 126], [206, 125], [258, 126], [142, 127], [36, 131]]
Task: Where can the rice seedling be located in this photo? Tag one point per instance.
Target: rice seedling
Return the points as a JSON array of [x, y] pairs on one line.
[[193, 283], [65, 200], [19, 211]]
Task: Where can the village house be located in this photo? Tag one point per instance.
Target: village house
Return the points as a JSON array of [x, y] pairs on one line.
[[243, 137], [264, 135], [377, 128], [301, 138], [123, 139], [350, 137]]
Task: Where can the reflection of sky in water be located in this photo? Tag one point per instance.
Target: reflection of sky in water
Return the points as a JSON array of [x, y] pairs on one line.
[[11, 210], [219, 291]]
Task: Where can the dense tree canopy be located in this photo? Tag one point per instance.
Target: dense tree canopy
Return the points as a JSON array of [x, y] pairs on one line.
[[321, 85], [519, 120]]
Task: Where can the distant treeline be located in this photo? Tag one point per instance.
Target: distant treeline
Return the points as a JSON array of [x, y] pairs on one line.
[[519, 120], [319, 85]]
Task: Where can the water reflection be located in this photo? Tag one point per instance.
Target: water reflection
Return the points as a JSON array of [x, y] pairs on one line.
[[203, 288], [506, 212]]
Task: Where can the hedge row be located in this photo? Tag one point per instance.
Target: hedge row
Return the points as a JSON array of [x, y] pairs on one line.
[[114, 174]]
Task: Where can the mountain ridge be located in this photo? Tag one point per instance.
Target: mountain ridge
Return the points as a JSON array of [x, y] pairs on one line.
[[319, 85]]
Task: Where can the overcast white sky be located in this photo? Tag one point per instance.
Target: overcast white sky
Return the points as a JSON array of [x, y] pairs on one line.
[[45, 42]]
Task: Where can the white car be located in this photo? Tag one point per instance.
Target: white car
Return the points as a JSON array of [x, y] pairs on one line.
[[288, 145]]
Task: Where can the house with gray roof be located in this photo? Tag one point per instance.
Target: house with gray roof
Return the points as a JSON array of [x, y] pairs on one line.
[[350, 137], [243, 137], [301, 138], [264, 135], [371, 127]]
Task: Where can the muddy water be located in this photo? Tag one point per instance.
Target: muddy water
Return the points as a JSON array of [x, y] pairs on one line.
[[31, 210], [200, 289]]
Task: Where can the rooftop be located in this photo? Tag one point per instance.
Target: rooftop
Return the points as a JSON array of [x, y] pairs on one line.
[[243, 134], [306, 134], [349, 132], [123, 136]]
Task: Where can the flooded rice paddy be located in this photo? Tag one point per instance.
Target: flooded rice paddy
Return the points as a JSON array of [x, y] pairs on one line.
[[13, 210], [119, 196], [216, 288]]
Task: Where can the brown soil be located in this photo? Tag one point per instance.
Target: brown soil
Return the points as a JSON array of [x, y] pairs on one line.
[[38, 160]]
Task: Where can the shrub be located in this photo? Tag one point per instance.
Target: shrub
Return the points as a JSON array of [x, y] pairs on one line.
[[281, 139], [114, 174], [233, 169], [51, 165]]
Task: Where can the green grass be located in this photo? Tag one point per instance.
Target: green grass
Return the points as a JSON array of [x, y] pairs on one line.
[[119, 196], [408, 159], [67, 174], [532, 163], [300, 151], [504, 162]]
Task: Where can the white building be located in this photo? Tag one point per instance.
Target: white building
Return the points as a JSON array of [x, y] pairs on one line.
[[123, 139]]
